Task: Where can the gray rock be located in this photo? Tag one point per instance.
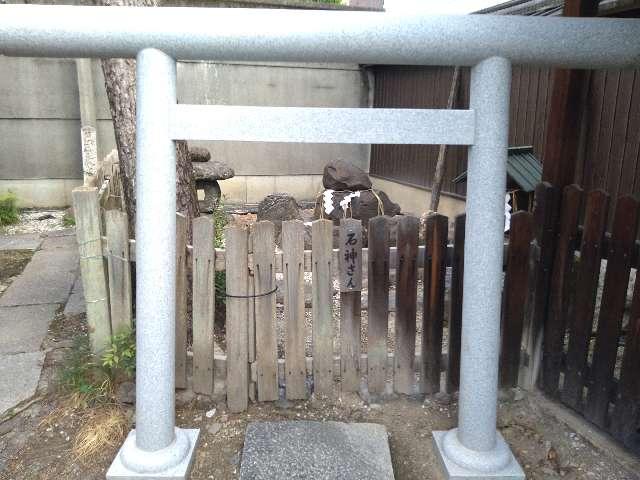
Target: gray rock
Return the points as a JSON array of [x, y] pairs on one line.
[[26, 241], [277, 208], [214, 428], [341, 175], [318, 450], [126, 393], [199, 154], [212, 170]]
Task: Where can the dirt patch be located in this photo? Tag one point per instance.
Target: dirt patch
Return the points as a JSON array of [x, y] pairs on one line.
[[12, 262], [545, 448]]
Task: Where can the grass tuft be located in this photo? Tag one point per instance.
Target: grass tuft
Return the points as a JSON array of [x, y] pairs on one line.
[[8, 209], [103, 427]]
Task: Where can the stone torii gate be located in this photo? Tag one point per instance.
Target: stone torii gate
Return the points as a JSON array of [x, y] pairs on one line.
[[158, 37]]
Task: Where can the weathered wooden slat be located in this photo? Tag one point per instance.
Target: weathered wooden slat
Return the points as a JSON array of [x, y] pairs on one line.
[[203, 305], [555, 324], [251, 323], [119, 269], [623, 234], [265, 311], [378, 308], [455, 318], [292, 261], [546, 224], [436, 234], [87, 213], [181, 301], [237, 239], [322, 302], [626, 413], [350, 276], [406, 298], [580, 325], [515, 296]]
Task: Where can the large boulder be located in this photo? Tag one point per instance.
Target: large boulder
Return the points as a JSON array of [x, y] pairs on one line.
[[341, 175], [369, 204], [199, 154]]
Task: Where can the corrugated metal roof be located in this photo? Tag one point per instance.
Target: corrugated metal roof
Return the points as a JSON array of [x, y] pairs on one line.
[[554, 7], [522, 167]]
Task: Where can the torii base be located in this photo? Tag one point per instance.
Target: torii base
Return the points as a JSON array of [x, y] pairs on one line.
[[507, 469], [176, 471]]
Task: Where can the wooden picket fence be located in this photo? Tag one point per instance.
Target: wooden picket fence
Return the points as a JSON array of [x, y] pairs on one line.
[[591, 358], [551, 292], [251, 368]]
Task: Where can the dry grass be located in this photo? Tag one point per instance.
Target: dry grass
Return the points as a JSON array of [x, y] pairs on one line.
[[102, 427]]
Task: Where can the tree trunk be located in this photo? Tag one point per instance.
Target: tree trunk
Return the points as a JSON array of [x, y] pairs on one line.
[[120, 83]]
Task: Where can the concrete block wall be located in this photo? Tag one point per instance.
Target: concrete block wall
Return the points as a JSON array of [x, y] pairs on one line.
[[40, 158]]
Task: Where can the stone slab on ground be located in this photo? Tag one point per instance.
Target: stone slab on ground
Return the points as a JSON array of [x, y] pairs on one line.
[[76, 305], [47, 278], [60, 240], [25, 241], [316, 450], [19, 375], [24, 328]]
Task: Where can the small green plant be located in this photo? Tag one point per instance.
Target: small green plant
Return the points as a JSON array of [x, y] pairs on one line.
[[94, 378], [8, 209], [120, 356], [220, 221], [68, 220], [80, 374]]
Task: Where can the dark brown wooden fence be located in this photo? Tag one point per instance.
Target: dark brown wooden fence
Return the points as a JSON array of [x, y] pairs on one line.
[[591, 342]]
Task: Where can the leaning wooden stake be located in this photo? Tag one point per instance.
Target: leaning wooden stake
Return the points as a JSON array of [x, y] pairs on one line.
[[94, 284], [439, 173]]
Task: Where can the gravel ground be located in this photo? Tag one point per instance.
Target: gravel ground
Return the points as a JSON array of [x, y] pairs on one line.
[[37, 221]]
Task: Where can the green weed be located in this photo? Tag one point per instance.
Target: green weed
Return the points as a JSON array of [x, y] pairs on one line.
[[8, 209]]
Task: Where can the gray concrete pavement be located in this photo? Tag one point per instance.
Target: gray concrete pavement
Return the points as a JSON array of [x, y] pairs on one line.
[[27, 308]]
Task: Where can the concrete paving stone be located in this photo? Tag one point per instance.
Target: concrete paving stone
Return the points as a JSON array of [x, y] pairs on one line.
[[75, 305], [60, 241], [47, 278], [19, 376], [316, 450], [24, 328], [26, 241]]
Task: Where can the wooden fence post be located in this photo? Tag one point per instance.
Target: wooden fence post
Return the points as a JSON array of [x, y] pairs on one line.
[[322, 303], [237, 259], [614, 295], [378, 308], [266, 339], [559, 296], [119, 269], [181, 301], [435, 267], [406, 298], [516, 284], [293, 267], [350, 261], [204, 305], [455, 318], [581, 321], [545, 225], [94, 284]]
